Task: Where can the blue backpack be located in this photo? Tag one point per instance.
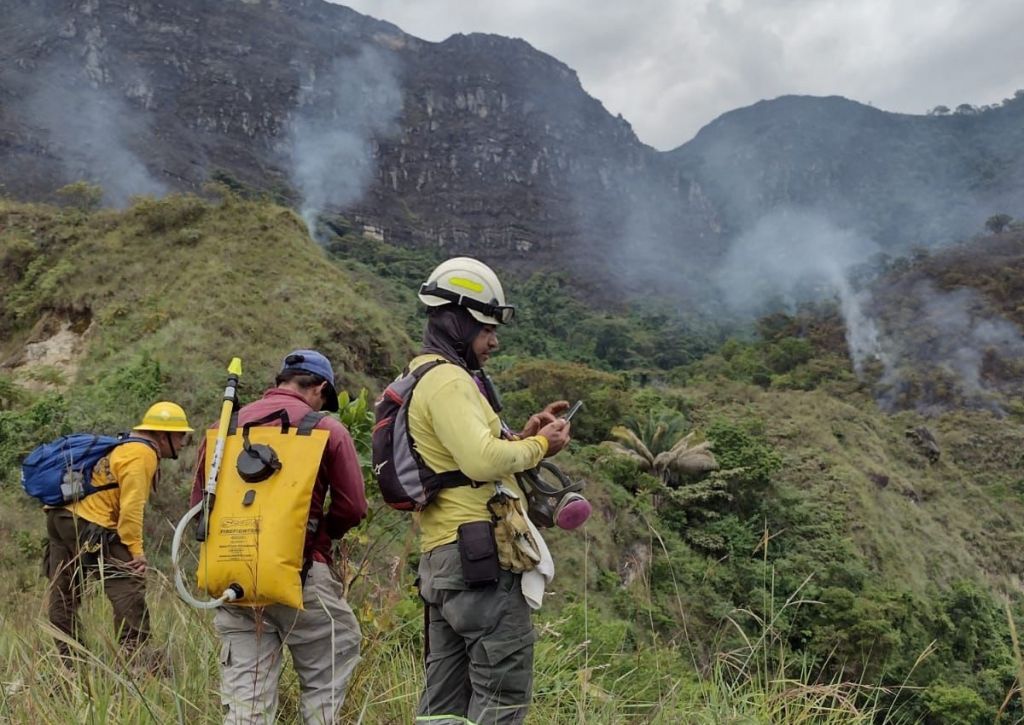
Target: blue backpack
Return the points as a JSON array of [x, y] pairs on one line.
[[60, 472]]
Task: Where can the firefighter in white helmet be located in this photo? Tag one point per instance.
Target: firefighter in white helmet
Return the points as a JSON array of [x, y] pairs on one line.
[[471, 284], [479, 634]]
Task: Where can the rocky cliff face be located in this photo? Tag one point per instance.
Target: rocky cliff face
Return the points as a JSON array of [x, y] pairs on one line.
[[491, 146], [478, 144]]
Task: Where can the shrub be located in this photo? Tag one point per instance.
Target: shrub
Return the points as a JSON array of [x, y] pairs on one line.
[[115, 400], [605, 396], [741, 445], [171, 212], [998, 222], [81, 195], [21, 429], [956, 705]]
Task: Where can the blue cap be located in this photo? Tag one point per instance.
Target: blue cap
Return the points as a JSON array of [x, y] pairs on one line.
[[311, 361]]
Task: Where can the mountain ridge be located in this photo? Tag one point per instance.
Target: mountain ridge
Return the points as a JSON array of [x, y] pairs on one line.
[[486, 146]]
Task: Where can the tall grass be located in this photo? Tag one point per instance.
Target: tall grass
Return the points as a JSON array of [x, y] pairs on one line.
[[586, 671], [1018, 689]]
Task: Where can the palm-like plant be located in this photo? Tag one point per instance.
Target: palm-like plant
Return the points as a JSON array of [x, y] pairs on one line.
[[662, 447]]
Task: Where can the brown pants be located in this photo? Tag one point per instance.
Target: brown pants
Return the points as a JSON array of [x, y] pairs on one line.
[[68, 566]]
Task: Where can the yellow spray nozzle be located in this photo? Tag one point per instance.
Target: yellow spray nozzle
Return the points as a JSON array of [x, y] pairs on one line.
[[235, 368]]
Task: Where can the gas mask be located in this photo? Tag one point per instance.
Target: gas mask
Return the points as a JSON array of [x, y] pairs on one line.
[[553, 499]]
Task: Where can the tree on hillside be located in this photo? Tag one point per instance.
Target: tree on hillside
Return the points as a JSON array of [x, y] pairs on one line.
[[81, 195], [997, 223], [939, 111], [660, 446]]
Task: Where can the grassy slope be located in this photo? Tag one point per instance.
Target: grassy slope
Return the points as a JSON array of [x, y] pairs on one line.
[[926, 524], [193, 284]]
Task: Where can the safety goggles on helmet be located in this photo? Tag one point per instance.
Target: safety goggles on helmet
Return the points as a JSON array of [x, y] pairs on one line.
[[502, 313]]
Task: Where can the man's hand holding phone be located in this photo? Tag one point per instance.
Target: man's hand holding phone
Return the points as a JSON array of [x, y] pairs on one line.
[[558, 430], [543, 418], [557, 433]]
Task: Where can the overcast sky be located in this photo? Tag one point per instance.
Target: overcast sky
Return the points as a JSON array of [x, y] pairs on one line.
[[670, 67]]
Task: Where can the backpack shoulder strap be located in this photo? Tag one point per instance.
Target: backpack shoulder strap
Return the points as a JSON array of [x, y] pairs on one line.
[[445, 479], [425, 368], [308, 422], [280, 415], [129, 438]]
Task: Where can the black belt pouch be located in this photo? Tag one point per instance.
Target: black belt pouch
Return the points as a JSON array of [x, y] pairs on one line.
[[479, 553]]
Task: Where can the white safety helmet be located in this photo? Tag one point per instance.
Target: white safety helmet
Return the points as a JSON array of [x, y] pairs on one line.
[[471, 284]]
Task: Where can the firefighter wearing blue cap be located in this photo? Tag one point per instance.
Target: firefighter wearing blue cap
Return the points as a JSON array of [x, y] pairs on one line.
[[324, 636]]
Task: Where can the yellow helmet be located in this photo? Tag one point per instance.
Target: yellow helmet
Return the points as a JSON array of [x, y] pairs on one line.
[[165, 416]]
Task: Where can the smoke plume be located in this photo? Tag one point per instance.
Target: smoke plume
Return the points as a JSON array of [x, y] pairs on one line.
[[795, 255], [938, 345], [929, 348], [91, 130], [341, 114]]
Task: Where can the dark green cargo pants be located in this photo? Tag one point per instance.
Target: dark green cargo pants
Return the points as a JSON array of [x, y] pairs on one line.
[[480, 646], [68, 567]]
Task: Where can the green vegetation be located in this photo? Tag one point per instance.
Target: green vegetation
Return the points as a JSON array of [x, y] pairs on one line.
[[825, 571]]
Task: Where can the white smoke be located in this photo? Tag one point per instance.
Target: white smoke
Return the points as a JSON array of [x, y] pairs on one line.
[[333, 133], [794, 255], [947, 335], [932, 345], [862, 336], [91, 130]]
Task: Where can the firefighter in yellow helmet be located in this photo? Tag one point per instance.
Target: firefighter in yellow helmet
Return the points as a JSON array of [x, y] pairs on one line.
[[101, 534]]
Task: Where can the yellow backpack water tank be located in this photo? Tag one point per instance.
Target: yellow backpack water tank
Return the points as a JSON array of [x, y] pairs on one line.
[[257, 528]]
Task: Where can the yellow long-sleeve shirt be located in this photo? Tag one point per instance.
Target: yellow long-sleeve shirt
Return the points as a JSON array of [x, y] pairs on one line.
[[454, 428], [132, 466]]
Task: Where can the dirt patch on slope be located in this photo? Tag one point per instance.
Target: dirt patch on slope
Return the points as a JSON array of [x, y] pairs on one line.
[[51, 357]]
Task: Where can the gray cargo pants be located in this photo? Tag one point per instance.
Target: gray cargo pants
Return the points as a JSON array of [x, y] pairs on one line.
[[480, 646], [323, 639]]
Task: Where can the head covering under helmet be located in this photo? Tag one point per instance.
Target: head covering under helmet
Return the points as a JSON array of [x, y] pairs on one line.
[[450, 333]]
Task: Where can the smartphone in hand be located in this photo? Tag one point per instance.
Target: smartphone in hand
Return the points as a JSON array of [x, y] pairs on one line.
[[572, 411]]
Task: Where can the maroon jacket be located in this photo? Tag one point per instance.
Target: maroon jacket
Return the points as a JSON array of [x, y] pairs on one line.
[[339, 473]]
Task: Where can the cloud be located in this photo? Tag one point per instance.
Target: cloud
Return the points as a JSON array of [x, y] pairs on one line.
[[671, 68]]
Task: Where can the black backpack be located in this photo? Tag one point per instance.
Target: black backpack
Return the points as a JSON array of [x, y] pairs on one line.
[[406, 482]]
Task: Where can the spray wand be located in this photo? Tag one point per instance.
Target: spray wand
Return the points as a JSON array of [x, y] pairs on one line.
[[203, 508]]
